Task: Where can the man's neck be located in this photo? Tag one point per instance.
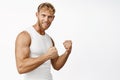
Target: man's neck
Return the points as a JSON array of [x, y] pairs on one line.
[[39, 30]]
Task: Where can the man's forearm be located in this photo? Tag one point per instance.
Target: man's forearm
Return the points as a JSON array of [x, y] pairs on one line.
[[30, 64], [62, 60]]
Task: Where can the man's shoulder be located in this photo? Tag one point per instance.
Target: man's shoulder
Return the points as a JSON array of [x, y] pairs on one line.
[[23, 34]]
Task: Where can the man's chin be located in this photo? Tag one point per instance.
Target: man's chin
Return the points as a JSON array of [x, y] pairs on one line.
[[45, 27]]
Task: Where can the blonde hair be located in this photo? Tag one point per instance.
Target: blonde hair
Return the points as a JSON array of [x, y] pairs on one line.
[[47, 5]]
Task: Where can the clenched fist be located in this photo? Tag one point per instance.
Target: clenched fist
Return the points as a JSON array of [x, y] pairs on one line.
[[68, 45], [52, 52]]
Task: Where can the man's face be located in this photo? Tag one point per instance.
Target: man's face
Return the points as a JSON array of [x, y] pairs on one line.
[[45, 18]]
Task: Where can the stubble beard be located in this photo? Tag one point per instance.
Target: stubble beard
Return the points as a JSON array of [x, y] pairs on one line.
[[42, 26]]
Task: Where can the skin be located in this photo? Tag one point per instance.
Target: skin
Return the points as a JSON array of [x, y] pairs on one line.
[[24, 62]]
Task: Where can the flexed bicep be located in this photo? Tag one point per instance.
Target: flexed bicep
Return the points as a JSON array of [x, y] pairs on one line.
[[22, 49]]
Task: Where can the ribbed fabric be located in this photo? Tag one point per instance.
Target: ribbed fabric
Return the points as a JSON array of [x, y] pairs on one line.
[[39, 45]]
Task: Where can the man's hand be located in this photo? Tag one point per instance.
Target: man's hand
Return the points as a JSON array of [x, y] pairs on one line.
[[52, 52], [68, 45]]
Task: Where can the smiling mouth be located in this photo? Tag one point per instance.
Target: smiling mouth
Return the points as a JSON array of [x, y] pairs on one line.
[[46, 25]]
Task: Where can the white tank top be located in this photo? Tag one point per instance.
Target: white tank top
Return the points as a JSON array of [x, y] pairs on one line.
[[39, 45]]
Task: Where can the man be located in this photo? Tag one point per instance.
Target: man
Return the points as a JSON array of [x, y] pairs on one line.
[[35, 50]]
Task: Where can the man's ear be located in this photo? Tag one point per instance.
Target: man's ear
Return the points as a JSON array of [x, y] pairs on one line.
[[36, 14]]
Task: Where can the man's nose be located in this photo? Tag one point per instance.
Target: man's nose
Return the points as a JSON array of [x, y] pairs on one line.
[[46, 18]]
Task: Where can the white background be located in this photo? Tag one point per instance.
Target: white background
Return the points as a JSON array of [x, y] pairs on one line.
[[92, 25]]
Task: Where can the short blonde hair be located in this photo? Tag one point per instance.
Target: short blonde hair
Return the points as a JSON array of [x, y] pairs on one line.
[[49, 6]]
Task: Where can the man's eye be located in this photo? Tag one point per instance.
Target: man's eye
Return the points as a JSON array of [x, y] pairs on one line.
[[43, 15], [50, 17]]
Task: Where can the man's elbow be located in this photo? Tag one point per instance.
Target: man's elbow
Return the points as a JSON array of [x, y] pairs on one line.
[[20, 69]]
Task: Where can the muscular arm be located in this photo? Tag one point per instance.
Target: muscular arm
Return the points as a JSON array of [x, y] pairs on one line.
[[22, 50], [59, 61]]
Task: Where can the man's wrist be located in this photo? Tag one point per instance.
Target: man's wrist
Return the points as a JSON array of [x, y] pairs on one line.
[[67, 51]]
